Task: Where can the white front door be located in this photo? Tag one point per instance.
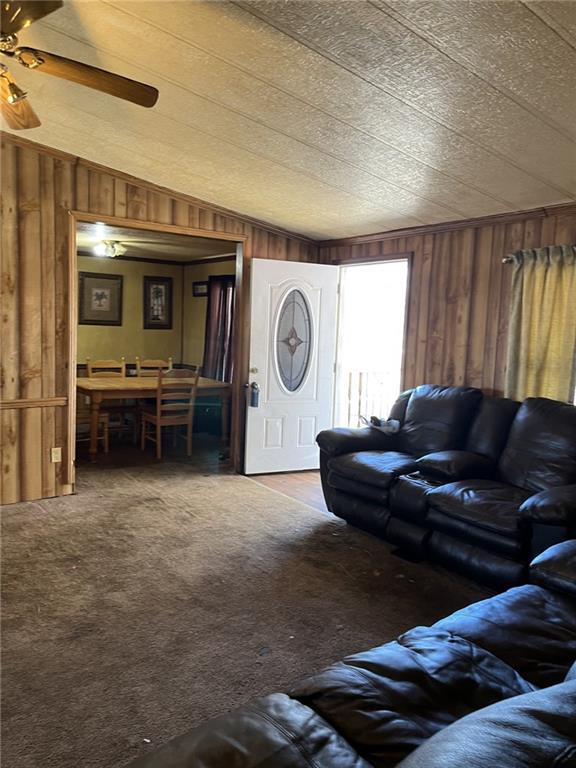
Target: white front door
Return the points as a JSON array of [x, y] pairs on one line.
[[292, 351]]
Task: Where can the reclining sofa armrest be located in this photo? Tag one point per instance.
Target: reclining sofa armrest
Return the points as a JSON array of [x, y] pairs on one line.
[[555, 569], [336, 442], [555, 506]]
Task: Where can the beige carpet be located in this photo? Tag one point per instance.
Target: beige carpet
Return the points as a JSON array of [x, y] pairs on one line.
[[157, 598]]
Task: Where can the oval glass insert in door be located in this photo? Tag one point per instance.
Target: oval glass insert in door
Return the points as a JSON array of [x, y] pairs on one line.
[[293, 340]]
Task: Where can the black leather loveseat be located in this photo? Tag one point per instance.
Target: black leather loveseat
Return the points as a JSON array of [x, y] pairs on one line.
[[480, 484], [491, 686]]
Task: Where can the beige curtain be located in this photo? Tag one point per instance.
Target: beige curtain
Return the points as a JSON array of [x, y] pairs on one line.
[[542, 332]]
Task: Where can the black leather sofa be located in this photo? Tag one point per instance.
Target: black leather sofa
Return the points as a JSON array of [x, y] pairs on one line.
[[491, 686], [480, 484]]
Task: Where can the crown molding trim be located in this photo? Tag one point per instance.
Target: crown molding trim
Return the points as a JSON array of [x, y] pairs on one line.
[[450, 226]]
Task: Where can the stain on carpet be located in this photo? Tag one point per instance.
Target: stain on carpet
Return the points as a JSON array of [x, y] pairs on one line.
[[157, 598]]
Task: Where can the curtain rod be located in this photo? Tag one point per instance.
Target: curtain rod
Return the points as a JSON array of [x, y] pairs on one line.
[[510, 259]]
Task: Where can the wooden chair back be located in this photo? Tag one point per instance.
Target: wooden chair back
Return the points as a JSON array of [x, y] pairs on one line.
[[176, 395], [106, 368], [151, 366]]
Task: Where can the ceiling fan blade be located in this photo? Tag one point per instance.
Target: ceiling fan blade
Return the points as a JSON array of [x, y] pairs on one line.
[[19, 116], [84, 74], [15, 15]]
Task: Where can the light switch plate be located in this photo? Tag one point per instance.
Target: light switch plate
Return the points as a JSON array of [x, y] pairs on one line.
[[56, 455]]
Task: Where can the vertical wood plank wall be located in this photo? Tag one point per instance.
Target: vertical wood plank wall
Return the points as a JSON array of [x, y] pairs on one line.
[[457, 323], [39, 187]]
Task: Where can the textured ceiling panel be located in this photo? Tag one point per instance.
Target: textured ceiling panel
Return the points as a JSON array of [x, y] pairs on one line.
[[559, 15], [331, 119], [503, 59], [367, 41]]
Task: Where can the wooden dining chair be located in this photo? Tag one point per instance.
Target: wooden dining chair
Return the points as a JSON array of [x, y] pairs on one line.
[[151, 366], [175, 397], [84, 419], [106, 368], [115, 369]]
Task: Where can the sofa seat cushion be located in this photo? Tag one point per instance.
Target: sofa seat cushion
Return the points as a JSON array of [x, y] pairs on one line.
[[487, 504], [376, 468], [531, 628], [536, 730], [271, 732], [386, 701]]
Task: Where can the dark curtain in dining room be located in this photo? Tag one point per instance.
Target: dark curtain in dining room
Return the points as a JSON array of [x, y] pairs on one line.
[[218, 354]]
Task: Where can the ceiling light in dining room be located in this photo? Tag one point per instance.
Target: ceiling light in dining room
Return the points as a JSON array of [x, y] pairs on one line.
[[109, 249]]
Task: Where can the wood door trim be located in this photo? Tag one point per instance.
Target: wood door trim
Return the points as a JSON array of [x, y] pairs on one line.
[[34, 402], [350, 261], [70, 458], [237, 393], [153, 226]]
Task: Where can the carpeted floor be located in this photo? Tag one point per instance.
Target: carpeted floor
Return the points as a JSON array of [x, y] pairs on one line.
[[158, 597]]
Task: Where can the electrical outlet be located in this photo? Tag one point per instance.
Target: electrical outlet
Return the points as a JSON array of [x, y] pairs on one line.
[[56, 455]]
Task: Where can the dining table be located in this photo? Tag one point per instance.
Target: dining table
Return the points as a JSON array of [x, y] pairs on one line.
[[102, 388]]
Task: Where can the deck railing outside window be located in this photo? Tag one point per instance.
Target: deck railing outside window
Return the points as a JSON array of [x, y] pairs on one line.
[[369, 393]]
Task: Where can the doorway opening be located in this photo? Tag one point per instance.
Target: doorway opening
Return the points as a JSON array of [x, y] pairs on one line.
[[150, 295], [370, 345]]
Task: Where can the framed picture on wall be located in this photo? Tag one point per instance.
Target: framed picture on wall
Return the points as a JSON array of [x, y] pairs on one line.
[[200, 289], [99, 299], [158, 303]]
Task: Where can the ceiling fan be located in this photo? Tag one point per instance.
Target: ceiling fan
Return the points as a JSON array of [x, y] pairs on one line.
[[19, 115]]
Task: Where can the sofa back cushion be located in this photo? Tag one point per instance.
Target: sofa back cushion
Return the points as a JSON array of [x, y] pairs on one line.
[[438, 419], [489, 432], [541, 449], [388, 700], [398, 410]]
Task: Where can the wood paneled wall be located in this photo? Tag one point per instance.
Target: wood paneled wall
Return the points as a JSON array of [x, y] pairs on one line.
[[457, 314], [39, 187], [457, 318]]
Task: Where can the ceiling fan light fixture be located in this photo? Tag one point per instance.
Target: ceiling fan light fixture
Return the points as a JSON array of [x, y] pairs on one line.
[[29, 58], [8, 42], [15, 93]]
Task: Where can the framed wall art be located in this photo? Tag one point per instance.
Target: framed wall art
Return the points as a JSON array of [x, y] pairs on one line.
[[200, 289], [99, 299], [158, 303]]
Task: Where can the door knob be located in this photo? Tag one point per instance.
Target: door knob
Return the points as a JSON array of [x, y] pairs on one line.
[[254, 394]]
